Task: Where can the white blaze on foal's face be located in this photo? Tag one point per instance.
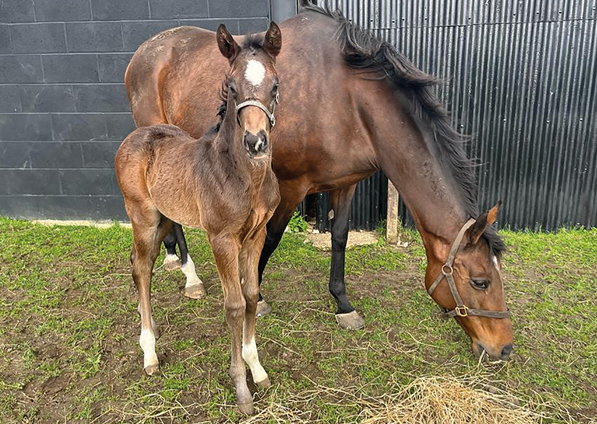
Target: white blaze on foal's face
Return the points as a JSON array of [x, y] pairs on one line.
[[255, 73]]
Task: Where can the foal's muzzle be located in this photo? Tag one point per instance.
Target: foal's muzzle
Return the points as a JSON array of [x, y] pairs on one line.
[[256, 144]]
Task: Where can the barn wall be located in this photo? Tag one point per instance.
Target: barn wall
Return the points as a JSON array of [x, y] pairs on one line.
[[63, 107], [521, 78]]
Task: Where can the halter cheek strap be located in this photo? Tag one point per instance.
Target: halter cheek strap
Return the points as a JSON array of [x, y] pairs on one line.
[[447, 272], [257, 103]]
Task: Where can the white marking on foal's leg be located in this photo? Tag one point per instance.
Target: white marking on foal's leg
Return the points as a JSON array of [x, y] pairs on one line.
[[170, 259], [251, 357], [190, 273], [255, 72], [147, 342]]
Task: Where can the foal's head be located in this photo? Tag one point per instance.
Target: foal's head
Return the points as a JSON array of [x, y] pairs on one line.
[[253, 82]]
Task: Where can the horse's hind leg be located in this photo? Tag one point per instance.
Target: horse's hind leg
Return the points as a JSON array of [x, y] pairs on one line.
[[149, 228], [226, 254], [248, 263], [171, 261], [194, 286], [346, 315]]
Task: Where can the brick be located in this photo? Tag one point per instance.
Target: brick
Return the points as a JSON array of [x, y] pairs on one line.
[[62, 10], [16, 11], [5, 39], [20, 69], [29, 181], [136, 33], [25, 127], [114, 10], [99, 154], [119, 125], [47, 98], [79, 127], [88, 182], [112, 66], [70, 68], [10, 100], [251, 26], [14, 154], [38, 38], [101, 98], [213, 24], [56, 154], [94, 37], [227, 8], [168, 9]]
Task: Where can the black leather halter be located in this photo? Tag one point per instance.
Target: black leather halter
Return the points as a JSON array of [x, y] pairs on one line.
[[461, 310]]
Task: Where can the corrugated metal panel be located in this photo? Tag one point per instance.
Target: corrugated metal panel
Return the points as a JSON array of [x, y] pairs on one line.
[[521, 78]]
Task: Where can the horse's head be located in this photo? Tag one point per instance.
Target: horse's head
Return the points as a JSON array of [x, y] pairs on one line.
[[253, 81], [464, 277]]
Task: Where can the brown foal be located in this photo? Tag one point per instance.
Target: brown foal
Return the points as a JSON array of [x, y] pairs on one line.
[[222, 183]]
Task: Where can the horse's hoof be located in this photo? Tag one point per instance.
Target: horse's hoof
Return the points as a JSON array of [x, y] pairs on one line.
[[152, 369], [196, 291], [350, 321], [246, 408], [264, 384], [263, 308], [172, 263]]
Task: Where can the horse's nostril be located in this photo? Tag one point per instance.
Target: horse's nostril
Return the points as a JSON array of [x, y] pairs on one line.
[[506, 351]]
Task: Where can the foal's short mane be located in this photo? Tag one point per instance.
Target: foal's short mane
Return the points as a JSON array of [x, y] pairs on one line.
[[362, 50]]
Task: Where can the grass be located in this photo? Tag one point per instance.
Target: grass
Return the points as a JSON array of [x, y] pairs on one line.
[[69, 331]]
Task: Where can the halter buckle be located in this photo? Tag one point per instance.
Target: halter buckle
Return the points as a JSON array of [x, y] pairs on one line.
[[449, 267], [461, 311]]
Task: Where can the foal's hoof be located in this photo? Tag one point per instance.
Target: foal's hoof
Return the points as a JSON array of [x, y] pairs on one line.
[[196, 291], [246, 408], [171, 263], [152, 369], [263, 384], [263, 308], [350, 321]]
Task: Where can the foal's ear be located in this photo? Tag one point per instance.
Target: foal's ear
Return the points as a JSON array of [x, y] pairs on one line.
[[273, 40], [226, 43], [485, 220]]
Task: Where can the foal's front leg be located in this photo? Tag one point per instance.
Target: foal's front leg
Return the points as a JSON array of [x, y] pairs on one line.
[[225, 250], [249, 263]]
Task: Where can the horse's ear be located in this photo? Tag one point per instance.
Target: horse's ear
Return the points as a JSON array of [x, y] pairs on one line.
[[226, 43], [485, 220], [273, 40]]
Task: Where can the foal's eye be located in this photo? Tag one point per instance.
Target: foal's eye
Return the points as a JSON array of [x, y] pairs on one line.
[[480, 284], [275, 88]]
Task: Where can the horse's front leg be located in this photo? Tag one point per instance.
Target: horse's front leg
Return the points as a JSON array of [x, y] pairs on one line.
[[346, 315], [226, 253], [249, 261]]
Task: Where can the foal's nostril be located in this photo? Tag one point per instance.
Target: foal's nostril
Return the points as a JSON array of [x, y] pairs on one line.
[[256, 143], [506, 351]]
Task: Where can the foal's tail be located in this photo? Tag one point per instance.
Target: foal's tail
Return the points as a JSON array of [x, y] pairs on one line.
[[182, 243]]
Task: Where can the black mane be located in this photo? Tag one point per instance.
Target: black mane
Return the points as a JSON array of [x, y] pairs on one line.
[[362, 50]]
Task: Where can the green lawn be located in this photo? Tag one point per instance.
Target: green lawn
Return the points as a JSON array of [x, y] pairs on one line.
[[69, 330]]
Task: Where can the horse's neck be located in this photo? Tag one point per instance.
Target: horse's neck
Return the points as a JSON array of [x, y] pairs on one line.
[[410, 163]]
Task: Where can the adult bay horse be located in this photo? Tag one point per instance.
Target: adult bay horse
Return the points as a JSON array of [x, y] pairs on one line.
[[351, 105], [222, 183]]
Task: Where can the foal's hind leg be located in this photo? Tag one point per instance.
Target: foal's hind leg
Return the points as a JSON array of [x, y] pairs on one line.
[[248, 262], [194, 286], [171, 261], [149, 228]]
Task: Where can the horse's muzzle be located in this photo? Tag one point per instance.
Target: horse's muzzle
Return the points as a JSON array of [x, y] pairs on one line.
[[256, 144]]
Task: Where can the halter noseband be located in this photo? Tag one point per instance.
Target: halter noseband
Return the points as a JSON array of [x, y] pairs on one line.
[[461, 310], [257, 103]]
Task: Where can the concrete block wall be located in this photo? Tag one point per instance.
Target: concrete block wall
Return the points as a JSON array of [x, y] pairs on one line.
[[63, 106]]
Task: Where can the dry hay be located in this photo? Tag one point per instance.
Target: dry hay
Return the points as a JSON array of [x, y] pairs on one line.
[[426, 400]]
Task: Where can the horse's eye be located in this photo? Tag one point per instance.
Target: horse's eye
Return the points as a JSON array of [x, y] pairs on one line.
[[275, 88], [480, 284]]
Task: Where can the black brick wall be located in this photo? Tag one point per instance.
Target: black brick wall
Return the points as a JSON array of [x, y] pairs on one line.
[[63, 106]]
